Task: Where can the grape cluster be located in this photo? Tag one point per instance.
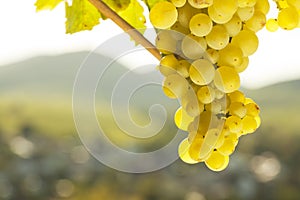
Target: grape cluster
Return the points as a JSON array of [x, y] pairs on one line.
[[205, 45], [288, 17]]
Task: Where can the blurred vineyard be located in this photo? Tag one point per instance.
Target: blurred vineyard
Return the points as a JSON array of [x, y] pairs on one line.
[[42, 156]]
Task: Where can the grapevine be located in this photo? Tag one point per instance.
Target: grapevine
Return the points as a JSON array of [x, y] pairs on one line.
[[202, 46]]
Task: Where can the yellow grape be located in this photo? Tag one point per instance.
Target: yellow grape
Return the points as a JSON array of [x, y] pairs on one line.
[[237, 96], [218, 38], [185, 14], [252, 109], [294, 3], [258, 121], [193, 47], [288, 18], [175, 86], [220, 140], [245, 13], [212, 55], [178, 3], [204, 121], [200, 24], [165, 42], [225, 7], [237, 109], [191, 105], [217, 17], [206, 94], [182, 119], [246, 3], [219, 93], [272, 25], [248, 100], [226, 79], [243, 66], [163, 15], [262, 6], [227, 147], [249, 125], [178, 31], [247, 41], [257, 21], [209, 142], [234, 26], [168, 65], [183, 68], [200, 4], [194, 150], [234, 124], [281, 4], [202, 72], [231, 56], [217, 161], [214, 107], [183, 152]]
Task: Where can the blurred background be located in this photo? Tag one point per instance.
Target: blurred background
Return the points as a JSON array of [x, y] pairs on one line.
[[42, 157]]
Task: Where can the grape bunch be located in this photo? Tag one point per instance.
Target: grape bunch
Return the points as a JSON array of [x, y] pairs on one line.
[[205, 44], [288, 17]]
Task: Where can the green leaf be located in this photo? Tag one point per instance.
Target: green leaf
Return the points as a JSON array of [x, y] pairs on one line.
[[46, 4], [117, 5], [151, 3], [82, 15], [134, 15]]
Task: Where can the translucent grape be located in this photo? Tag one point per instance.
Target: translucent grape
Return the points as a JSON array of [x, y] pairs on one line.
[[294, 3], [168, 65], [191, 104], [242, 67], [195, 147], [237, 109], [220, 140], [165, 42], [217, 161], [272, 25], [212, 55], [247, 41], [246, 3], [183, 152], [183, 68], [178, 31], [225, 7], [209, 142], [202, 72], [245, 13], [257, 21], [226, 79], [227, 147], [231, 56], [200, 3], [252, 109], [200, 24], [193, 47], [175, 86], [178, 3], [217, 17], [237, 96], [218, 38], [288, 18], [185, 14], [182, 119], [163, 15], [262, 6], [214, 107], [206, 94], [249, 125], [234, 26], [234, 124]]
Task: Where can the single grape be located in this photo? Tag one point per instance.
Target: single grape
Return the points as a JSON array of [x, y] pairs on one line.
[[178, 3], [242, 67], [175, 86], [234, 26], [256, 22], [234, 124], [183, 152], [212, 55], [272, 25], [163, 15], [193, 47], [202, 72], [227, 7], [217, 17], [166, 42], [246, 3], [231, 56], [182, 119], [252, 109], [200, 3], [245, 13], [218, 38], [185, 14], [227, 147], [237, 96], [183, 68], [262, 6], [217, 161], [247, 41], [200, 24], [168, 65], [226, 79], [249, 125], [206, 94], [288, 18], [237, 109]]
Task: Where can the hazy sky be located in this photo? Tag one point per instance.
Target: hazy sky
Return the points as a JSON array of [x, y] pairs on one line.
[[25, 34]]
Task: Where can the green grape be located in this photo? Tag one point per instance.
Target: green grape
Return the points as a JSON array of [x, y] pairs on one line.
[[294, 3], [237, 109], [212, 55], [246, 3], [218, 38], [183, 68], [182, 119], [185, 14], [252, 109], [206, 94], [245, 13], [234, 26], [178, 31], [262, 6], [257, 21], [183, 152], [217, 17], [243, 66], [231, 56], [200, 3], [226, 79], [247, 41], [202, 72], [249, 125], [178, 3], [200, 24], [234, 124], [237, 96], [217, 161], [272, 25], [165, 42], [193, 47], [168, 65], [227, 147], [288, 18], [227, 7], [163, 15], [175, 86]]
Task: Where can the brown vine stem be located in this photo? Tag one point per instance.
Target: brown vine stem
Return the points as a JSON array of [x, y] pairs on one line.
[[136, 35]]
